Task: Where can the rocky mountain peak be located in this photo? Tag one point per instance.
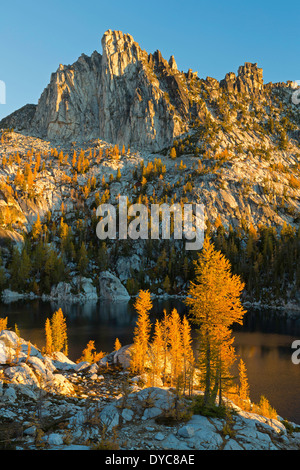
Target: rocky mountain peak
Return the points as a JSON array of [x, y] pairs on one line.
[[159, 60], [251, 77], [119, 50], [172, 64], [115, 40], [248, 80], [127, 96]]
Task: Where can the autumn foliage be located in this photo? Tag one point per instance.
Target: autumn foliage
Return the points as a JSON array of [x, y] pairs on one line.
[[3, 323], [142, 331], [164, 357], [215, 305], [89, 354], [56, 333]]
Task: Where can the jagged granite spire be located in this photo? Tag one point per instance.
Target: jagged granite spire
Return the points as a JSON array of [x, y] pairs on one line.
[[134, 109], [115, 96], [69, 107], [248, 80]]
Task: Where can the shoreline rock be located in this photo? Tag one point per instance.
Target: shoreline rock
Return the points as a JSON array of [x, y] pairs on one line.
[[77, 401], [63, 292], [111, 288]]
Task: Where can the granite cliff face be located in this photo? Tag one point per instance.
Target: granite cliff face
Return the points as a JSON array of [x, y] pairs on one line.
[[69, 106], [134, 109], [249, 80], [20, 119], [124, 96]]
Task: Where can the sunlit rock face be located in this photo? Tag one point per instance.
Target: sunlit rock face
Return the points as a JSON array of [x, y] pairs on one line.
[[248, 80], [69, 107], [134, 109], [123, 96]]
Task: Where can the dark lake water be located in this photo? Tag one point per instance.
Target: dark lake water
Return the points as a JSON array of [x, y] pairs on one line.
[[263, 342]]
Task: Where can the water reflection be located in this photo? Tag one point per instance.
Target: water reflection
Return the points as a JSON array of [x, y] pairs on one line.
[[270, 370]]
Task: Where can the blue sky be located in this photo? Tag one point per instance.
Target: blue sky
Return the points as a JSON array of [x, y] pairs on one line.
[[212, 38]]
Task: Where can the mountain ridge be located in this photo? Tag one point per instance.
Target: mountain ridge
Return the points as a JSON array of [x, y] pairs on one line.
[[126, 96]]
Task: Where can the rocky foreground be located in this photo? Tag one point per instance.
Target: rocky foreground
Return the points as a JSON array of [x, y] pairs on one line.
[[54, 403]]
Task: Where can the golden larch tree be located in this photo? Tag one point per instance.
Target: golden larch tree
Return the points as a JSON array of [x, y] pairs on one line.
[[215, 305], [3, 323], [244, 385], [165, 325], [188, 359], [175, 348], [58, 329], [89, 354], [48, 334], [142, 331], [156, 355], [37, 228]]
